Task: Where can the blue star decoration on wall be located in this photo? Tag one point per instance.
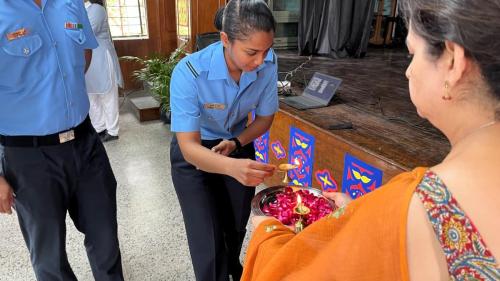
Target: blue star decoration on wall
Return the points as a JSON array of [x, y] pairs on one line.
[[327, 182], [278, 150]]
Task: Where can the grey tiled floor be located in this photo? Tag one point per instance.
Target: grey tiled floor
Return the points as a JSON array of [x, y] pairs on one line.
[[151, 229]]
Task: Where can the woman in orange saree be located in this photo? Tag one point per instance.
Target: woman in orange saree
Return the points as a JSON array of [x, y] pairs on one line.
[[437, 223]]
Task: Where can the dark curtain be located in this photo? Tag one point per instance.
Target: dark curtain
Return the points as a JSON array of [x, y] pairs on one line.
[[336, 28]]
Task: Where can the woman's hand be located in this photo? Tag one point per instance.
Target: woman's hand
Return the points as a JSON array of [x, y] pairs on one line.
[[225, 147], [341, 199], [250, 172]]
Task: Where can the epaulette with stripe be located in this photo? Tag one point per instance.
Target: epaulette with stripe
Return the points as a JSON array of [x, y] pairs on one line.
[[192, 69]]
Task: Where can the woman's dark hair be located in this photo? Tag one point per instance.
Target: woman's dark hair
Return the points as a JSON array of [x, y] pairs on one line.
[[218, 19], [473, 24], [100, 2], [241, 18]]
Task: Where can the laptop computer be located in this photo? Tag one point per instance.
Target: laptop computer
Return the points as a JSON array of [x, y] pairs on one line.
[[318, 93]]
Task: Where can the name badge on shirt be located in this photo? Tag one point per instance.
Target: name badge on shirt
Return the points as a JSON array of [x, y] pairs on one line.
[[218, 106], [72, 25], [17, 34]]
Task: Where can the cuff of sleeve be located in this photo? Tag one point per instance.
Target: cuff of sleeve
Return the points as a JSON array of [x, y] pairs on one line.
[[183, 123], [92, 46], [267, 111]]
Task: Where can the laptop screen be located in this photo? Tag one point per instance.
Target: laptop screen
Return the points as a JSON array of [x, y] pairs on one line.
[[322, 86]]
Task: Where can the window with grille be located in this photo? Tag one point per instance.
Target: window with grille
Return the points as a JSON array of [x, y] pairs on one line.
[[127, 18]]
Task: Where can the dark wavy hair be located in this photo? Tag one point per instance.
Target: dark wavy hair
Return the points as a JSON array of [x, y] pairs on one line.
[[473, 24], [218, 18], [243, 17]]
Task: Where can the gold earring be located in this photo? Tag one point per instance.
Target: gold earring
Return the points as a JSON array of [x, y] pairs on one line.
[[446, 96]]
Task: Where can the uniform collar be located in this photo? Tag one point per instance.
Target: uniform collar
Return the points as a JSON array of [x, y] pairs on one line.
[[270, 56], [218, 67], [42, 3], [87, 5]]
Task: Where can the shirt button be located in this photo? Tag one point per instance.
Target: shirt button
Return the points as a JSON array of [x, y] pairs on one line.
[[64, 75], [26, 51], [55, 44]]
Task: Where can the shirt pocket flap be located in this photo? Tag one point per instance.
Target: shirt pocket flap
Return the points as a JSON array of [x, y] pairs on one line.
[[24, 46], [77, 35]]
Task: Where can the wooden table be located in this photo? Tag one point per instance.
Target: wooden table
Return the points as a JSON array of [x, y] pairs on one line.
[[387, 134]]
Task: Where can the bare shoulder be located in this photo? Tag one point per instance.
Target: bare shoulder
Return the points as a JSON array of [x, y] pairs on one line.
[[426, 260]]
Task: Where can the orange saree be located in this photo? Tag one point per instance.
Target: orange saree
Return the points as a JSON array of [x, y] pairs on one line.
[[366, 240]]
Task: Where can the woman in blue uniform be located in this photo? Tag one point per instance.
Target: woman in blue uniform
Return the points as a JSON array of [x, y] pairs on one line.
[[212, 155]]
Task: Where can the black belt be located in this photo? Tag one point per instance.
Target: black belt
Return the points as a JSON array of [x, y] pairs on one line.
[[34, 141]]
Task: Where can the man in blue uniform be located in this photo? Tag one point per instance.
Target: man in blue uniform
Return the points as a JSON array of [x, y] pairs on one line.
[[52, 160]]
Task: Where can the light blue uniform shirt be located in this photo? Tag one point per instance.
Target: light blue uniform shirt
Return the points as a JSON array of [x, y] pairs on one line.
[[204, 97], [42, 84]]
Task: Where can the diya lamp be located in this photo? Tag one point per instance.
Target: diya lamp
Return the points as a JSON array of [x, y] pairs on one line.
[[287, 167], [294, 206], [301, 210]]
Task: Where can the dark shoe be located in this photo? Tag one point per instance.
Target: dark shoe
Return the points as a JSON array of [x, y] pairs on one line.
[[108, 137], [102, 134], [235, 271]]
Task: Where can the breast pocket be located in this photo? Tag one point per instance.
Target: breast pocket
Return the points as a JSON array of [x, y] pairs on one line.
[[24, 46], [215, 114], [18, 60], [77, 35], [74, 24]]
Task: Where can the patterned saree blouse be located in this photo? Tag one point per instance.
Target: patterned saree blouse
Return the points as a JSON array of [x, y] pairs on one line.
[[466, 253]]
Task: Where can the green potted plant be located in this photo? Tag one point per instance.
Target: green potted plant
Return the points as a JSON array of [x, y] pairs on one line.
[[156, 74]]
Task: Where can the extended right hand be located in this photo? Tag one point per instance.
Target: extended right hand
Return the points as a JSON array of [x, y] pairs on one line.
[[341, 199], [249, 172], [6, 197]]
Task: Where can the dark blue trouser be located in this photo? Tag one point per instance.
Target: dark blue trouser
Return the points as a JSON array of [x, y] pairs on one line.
[[216, 209], [50, 181]]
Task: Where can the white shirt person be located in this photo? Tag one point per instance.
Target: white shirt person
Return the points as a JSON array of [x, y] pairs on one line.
[[103, 76]]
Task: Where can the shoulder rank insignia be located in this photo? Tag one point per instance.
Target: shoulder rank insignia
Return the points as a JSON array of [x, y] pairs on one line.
[[192, 69], [17, 34]]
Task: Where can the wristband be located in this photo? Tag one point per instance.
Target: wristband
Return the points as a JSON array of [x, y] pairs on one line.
[[237, 142]]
